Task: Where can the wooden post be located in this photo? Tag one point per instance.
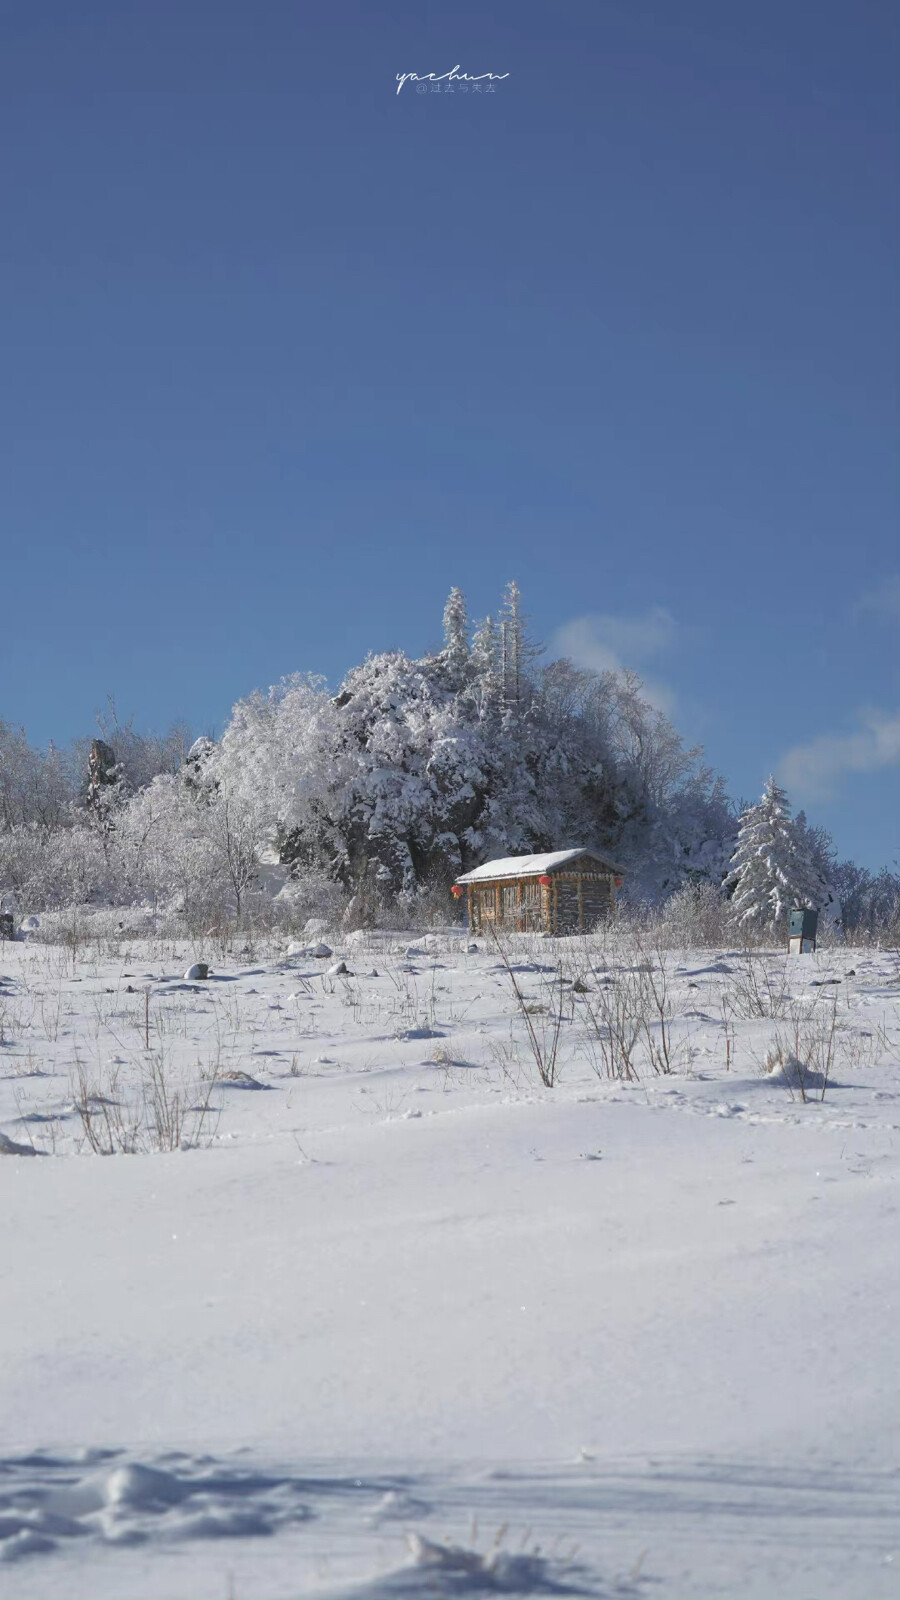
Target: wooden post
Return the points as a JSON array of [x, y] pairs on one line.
[[519, 904], [580, 906], [498, 906], [470, 907]]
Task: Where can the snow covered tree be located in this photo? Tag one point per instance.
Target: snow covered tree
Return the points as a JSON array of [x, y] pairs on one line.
[[816, 864], [231, 833], [282, 760], [870, 902], [456, 650], [106, 786], [140, 757], [36, 787], [772, 870], [166, 852], [517, 650], [486, 661]]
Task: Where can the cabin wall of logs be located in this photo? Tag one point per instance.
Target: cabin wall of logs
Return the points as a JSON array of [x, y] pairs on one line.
[[570, 900]]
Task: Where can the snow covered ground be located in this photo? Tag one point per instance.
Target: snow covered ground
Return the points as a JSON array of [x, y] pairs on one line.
[[398, 1319]]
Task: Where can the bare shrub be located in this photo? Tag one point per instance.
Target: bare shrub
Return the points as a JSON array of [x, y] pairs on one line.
[[697, 916], [615, 1019], [728, 1025], [109, 1122], [630, 1011], [658, 1012], [759, 988], [155, 1114], [541, 1027], [808, 1046]]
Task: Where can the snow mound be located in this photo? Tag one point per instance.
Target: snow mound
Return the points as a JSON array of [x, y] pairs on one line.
[[795, 1074], [142, 1488], [428, 945], [239, 1080], [396, 1505], [47, 1500], [321, 951]]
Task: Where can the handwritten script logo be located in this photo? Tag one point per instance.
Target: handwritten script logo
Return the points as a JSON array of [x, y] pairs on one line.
[[467, 82]]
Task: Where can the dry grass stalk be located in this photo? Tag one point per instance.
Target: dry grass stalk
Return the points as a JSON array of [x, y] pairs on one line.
[[544, 1045]]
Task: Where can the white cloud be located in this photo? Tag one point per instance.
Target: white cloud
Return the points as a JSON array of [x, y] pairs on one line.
[[881, 602], [607, 643], [815, 767]]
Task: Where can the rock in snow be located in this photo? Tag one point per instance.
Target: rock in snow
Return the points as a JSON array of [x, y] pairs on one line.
[[198, 970]]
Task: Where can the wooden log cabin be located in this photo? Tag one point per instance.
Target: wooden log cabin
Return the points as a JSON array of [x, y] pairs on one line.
[[568, 891]]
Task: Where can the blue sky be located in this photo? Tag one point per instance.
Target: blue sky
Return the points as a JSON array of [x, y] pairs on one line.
[[287, 354]]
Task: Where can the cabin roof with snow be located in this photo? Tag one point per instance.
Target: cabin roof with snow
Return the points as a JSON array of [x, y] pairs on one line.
[[534, 866]]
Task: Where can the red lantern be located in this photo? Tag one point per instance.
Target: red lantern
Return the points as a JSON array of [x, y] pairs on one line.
[[618, 882], [456, 891], [545, 880]]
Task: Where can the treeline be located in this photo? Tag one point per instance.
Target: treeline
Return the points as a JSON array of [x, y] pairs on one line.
[[370, 801]]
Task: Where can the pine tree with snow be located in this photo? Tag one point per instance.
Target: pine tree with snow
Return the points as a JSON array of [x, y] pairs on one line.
[[771, 870], [456, 651], [486, 658]]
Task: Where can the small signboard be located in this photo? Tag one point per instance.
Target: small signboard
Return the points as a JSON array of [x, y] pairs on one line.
[[802, 932]]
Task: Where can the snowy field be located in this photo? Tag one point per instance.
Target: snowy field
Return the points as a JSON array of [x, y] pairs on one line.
[[395, 1317]]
